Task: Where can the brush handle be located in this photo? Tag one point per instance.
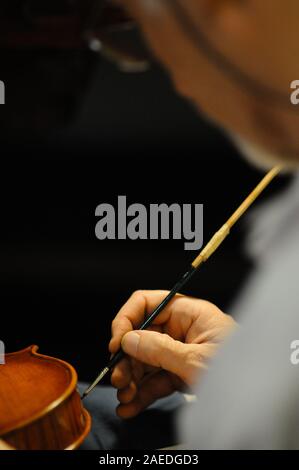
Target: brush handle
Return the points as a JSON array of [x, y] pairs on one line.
[[115, 359], [224, 231]]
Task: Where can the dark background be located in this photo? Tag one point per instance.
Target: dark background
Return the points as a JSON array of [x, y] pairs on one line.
[[77, 133]]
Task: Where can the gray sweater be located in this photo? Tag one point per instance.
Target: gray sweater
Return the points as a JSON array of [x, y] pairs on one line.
[[249, 397]]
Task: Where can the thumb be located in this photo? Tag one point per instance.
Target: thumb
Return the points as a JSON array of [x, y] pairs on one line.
[[160, 350]]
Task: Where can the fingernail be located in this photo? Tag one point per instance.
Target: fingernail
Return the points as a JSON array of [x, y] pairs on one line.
[[130, 343]]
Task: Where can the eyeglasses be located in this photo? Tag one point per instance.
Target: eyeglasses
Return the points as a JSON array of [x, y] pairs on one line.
[[113, 34], [97, 24]]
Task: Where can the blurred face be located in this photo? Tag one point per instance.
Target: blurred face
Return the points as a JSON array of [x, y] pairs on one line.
[[235, 60]]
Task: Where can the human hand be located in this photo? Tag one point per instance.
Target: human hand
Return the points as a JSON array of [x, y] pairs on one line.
[[170, 353]]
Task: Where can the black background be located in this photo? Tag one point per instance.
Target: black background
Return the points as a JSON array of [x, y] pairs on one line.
[[125, 135]]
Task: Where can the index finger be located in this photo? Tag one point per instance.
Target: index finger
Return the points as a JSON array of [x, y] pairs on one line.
[[134, 311]]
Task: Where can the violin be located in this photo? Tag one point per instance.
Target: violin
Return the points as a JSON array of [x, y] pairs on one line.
[[40, 407]]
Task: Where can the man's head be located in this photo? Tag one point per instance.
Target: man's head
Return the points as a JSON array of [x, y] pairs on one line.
[[235, 59]]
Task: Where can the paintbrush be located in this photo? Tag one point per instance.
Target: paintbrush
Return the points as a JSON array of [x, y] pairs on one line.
[[205, 253]]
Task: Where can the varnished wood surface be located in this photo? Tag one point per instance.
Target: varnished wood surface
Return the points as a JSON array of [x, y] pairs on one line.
[[40, 407]]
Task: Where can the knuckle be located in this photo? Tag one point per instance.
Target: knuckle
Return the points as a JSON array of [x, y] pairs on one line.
[[194, 362], [114, 380], [165, 346], [193, 357], [114, 325], [230, 320], [118, 379], [138, 293], [165, 343]]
